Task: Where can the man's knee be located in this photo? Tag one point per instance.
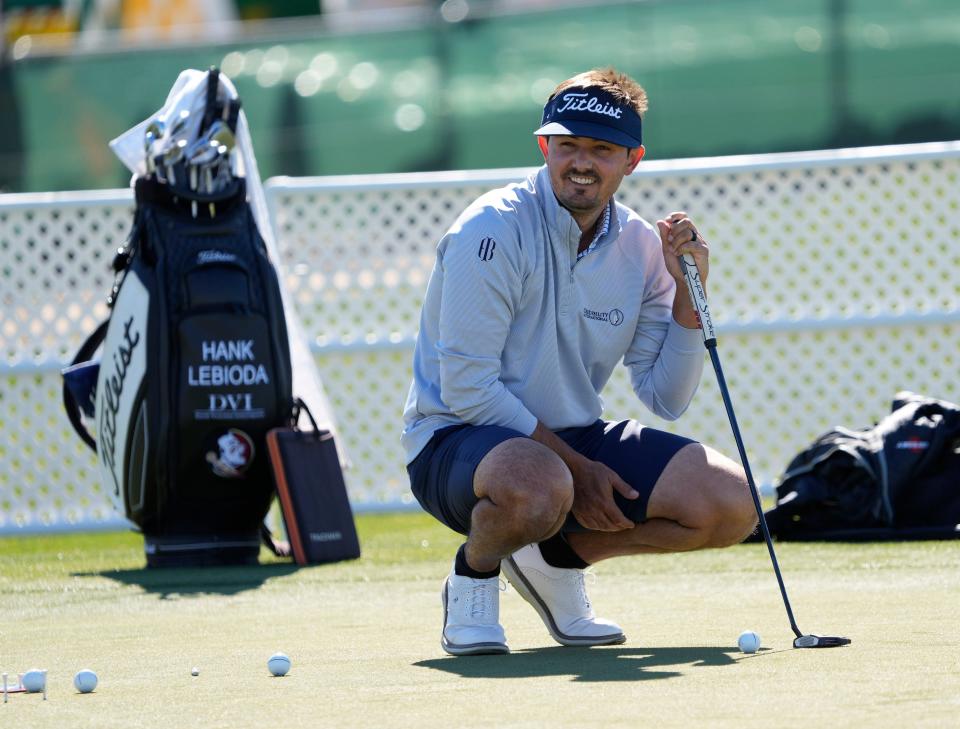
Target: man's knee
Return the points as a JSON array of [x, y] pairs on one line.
[[734, 510], [527, 479], [708, 493]]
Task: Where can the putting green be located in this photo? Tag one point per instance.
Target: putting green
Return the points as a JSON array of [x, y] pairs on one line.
[[364, 639]]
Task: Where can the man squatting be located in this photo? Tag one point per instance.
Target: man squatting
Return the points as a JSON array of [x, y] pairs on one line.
[[538, 290]]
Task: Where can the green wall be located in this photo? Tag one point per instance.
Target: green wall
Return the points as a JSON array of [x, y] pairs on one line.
[[737, 76]]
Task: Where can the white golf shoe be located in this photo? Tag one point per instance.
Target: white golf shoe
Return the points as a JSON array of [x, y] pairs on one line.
[[560, 597], [471, 616]]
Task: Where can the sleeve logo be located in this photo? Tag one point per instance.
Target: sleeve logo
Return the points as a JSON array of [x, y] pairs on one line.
[[487, 246]]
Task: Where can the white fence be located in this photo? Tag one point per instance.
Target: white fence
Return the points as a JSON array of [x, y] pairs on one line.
[[835, 282]]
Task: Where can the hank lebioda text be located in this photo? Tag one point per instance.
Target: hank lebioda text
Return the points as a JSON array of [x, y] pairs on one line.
[[228, 363]]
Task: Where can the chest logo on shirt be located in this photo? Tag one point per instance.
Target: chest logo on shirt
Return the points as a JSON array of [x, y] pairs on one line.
[[614, 316], [486, 249]]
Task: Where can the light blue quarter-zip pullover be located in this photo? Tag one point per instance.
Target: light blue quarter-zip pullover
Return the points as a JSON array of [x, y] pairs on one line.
[[514, 329]]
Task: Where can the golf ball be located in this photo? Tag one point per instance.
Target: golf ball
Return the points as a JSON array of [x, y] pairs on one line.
[[33, 680], [279, 664], [749, 641], [85, 681], [195, 671]]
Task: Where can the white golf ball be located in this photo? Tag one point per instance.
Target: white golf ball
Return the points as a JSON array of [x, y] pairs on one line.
[[749, 641], [85, 681], [279, 664], [33, 680]]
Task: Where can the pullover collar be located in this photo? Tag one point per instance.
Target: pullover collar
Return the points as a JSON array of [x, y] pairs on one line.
[[563, 228]]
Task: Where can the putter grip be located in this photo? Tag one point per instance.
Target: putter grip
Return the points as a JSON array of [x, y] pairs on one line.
[[698, 298]]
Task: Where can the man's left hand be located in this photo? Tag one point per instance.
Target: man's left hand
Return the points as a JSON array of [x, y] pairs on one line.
[[678, 235]]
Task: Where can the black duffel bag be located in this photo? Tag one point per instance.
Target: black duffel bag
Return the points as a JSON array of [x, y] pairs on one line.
[[899, 479]]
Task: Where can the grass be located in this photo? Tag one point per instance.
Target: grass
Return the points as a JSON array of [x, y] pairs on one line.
[[364, 639]]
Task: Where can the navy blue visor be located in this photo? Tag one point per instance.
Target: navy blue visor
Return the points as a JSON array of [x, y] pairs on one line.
[[591, 112]]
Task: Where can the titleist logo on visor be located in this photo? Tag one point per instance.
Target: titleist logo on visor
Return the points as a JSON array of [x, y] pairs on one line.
[[585, 102], [592, 112]]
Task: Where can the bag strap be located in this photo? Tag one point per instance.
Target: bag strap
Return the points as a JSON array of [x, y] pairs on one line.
[[298, 407], [279, 547], [69, 401]]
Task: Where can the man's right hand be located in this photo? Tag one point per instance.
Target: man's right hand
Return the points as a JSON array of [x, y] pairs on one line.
[[594, 484]]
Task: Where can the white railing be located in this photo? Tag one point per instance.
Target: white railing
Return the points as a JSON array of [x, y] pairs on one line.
[[835, 282]]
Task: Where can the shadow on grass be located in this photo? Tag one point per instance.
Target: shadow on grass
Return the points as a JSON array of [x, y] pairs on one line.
[[587, 664], [170, 582]]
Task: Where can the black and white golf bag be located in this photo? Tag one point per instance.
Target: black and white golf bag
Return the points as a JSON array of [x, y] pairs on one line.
[[194, 370]]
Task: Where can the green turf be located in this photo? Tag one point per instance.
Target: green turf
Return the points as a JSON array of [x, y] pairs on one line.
[[364, 640]]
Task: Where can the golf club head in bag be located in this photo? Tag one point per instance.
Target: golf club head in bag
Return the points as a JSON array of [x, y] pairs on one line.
[[698, 298], [191, 146]]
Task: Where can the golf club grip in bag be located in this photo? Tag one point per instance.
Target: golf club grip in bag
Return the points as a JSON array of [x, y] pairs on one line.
[[195, 370]]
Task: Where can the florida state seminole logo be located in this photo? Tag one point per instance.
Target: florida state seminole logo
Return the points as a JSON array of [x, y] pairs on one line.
[[233, 454]]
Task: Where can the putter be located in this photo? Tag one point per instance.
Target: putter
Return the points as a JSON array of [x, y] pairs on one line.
[[699, 299]]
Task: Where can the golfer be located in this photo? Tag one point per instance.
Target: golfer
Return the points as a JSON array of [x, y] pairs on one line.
[[539, 289]]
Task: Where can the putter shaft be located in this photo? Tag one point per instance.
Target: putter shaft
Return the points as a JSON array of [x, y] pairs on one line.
[[698, 298]]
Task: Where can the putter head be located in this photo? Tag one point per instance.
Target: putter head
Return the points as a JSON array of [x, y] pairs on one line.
[[820, 641]]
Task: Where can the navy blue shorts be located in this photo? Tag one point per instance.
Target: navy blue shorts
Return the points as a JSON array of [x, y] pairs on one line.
[[441, 476]]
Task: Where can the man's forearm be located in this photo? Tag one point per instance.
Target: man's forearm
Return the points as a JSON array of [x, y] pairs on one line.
[[574, 460], [683, 312]]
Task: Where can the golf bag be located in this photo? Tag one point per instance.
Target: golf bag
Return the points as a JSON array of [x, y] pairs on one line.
[[312, 493], [897, 480], [195, 364]]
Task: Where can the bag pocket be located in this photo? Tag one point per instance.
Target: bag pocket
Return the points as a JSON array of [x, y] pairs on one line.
[[227, 400]]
